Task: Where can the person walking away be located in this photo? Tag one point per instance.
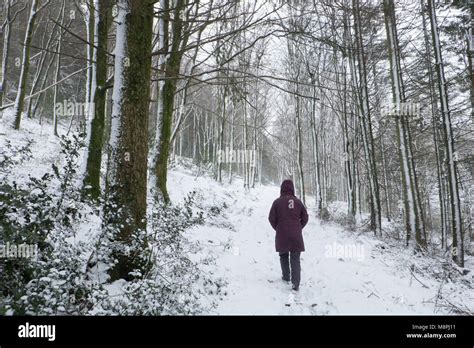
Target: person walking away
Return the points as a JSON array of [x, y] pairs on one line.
[[288, 217]]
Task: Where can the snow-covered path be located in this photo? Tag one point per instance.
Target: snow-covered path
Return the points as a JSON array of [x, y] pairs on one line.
[[379, 282], [254, 270]]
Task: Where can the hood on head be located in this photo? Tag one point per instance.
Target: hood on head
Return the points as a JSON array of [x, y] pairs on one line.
[[287, 188]]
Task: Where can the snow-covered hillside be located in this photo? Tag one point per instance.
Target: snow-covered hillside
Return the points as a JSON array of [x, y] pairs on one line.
[[343, 272]]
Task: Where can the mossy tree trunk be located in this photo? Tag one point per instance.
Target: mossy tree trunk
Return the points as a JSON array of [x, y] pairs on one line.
[[96, 140], [127, 173], [171, 75]]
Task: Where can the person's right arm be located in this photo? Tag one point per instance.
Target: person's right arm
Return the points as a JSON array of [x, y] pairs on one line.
[[272, 217]]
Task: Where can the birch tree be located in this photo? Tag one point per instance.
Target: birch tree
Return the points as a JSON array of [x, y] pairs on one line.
[[35, 7], [448, 142], [366, 124], [413, 212]]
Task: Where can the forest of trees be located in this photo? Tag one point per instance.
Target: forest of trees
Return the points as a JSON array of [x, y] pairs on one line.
[[367, 102]]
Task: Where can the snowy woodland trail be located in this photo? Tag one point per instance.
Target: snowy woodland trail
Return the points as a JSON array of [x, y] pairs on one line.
[[383, 278], [377, 281]]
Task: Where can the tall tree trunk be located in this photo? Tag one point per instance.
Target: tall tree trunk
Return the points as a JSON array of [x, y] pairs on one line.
[[448, 143], [315, 151], [93, 159], [436, 125], [8, 19], [245, 148], [221, 133], [348, 131], [413, 213], [25, 64], [366, 125], [299, 140], [40, 73], [231, 142], [470, 53], [127, 174], [171, 73], [58, 71]]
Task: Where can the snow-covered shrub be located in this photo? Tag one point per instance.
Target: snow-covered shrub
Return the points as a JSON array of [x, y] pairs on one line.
[[324, 215], [395, 229], [34, 215], [337, 212], [69, 275], [171, 283], [11, 155], [40, 213], [210, 211], [59, 285], [181, 280]]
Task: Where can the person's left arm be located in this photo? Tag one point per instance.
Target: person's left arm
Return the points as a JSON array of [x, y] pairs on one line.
[[303, 216]]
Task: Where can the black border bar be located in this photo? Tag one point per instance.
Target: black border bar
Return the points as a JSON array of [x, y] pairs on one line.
[[260, 330]]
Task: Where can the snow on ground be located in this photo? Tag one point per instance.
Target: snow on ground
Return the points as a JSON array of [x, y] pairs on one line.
[[375, 280], [44, 146]]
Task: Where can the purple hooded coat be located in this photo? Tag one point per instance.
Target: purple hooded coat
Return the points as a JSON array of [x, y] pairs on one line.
[[288, 216]]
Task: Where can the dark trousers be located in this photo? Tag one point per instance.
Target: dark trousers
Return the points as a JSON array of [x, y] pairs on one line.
[[291, 259]]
